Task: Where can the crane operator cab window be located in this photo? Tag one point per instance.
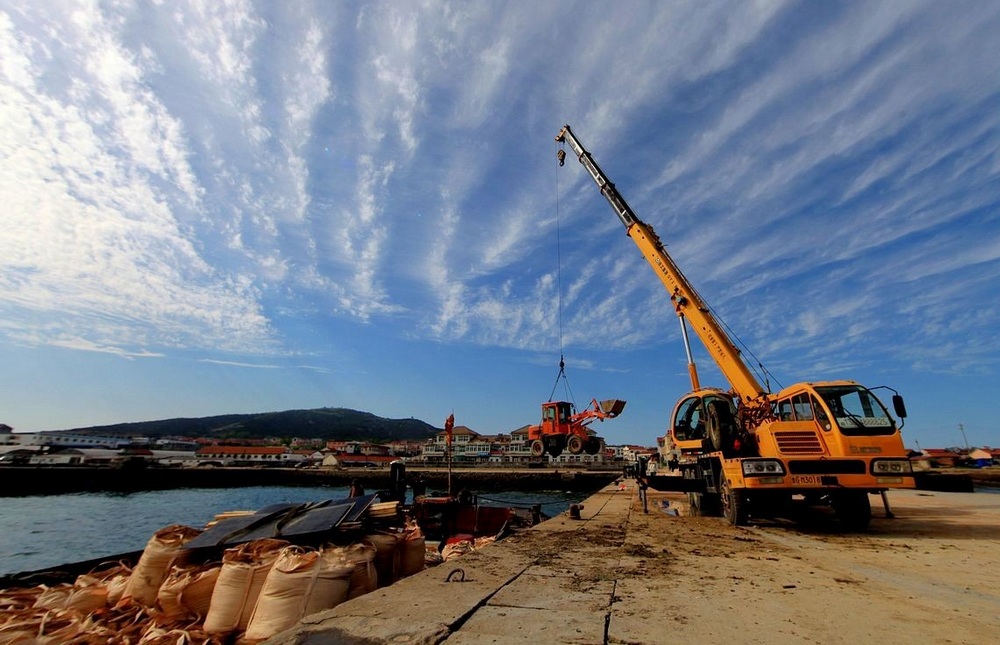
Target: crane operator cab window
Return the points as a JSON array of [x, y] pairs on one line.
[[689, 423]]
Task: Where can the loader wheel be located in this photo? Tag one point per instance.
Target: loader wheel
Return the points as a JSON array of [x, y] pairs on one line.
[[593, 446], [537, 448], [734, 504], [574, 444], [853, 509]]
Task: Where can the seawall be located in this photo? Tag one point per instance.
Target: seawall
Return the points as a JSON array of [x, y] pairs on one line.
[[18, 481]]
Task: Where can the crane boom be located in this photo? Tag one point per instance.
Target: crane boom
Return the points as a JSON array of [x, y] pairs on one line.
[[687, 303]]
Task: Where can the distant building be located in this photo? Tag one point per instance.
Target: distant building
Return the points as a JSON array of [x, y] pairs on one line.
[[979, 458], [60, 439], [247, 456], [348, 460], [942, 457]]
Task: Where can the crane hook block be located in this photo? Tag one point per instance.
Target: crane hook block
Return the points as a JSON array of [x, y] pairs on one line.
[[561, 155]]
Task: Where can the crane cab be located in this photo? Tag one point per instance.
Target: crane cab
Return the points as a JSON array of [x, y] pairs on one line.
[[703, 421]]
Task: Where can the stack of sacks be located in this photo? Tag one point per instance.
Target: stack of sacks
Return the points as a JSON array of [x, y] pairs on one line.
[[164, 549], [301, 582], [244, 570]]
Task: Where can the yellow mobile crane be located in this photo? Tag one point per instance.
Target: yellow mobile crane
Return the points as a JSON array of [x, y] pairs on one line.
[[748, 451]]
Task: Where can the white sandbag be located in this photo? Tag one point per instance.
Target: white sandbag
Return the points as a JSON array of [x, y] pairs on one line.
[[456, 550], [412, 552], [301, 582], [165, 548], [86, 596], [244, 570], [116, 586], [186, 593], [432, 557], [364, 579], [386, 557]]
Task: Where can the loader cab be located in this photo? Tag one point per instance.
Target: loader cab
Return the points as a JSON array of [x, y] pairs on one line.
[[556, 414]]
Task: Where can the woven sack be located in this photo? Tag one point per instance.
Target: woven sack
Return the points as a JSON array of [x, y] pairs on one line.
[[186, 593], [301, 582], [85, 597], [386, 557], [364, 579], [411, 554], [456, 550], [244, 569], [165, 548]]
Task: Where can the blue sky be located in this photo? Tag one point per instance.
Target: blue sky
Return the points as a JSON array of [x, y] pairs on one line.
[[214, 208]]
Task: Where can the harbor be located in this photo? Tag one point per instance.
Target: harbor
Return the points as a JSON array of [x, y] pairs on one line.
[[621, 575], [18, 481]]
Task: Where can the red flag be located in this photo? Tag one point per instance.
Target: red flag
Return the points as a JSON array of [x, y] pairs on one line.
[[449, 423]]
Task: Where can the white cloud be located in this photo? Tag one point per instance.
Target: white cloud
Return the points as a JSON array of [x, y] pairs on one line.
[[91, 248], [210, 170], [238, 364]]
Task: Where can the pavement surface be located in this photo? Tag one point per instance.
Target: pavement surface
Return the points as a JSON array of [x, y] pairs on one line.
[[624, 575]]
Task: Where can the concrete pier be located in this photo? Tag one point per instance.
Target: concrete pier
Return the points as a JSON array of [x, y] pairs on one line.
[[621, 575], [552, 583]]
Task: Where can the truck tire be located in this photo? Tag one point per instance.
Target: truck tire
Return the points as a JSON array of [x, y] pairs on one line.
[[853, 509], [537, 448], [734, 504], [593, 446], [574, 444]]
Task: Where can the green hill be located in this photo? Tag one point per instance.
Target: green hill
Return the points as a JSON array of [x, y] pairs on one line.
[[322, 423]]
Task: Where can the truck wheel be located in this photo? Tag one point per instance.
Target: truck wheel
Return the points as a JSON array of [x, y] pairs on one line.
[[593, 446], [574, 444], [537, 448], [734, 504], [853, 509]]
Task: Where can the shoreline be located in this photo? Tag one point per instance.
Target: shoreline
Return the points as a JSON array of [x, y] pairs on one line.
[[20, 481]]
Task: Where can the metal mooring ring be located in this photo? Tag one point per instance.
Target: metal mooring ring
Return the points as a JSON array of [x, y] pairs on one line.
[[461, 573]]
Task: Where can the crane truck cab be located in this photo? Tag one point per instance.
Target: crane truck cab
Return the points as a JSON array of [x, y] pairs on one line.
[[826, 442]]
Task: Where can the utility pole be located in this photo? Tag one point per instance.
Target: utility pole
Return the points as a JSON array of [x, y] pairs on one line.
[[961, 428]]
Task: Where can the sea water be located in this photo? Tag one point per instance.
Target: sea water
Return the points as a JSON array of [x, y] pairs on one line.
[[37, 532]]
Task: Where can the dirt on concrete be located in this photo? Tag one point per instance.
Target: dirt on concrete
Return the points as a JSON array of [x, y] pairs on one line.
[[928, 574], [619, 575]]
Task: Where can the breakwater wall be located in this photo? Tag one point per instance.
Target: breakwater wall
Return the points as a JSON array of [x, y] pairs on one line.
[[20, 481]]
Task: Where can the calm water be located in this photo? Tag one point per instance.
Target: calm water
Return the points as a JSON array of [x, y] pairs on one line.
[[45, 531]]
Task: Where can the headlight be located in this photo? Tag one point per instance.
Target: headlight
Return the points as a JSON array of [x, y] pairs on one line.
[[759, 467], [892, 467]]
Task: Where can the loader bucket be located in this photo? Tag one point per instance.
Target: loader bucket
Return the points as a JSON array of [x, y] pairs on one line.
[[612, 407]]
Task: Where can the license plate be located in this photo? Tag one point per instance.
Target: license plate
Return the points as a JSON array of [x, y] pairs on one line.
[[805, 480]]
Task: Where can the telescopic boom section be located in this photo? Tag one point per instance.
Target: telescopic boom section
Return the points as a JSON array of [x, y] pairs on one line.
[[687, 303]]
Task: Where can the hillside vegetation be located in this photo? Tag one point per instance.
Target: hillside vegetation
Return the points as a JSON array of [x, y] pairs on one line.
[[322, 423]]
